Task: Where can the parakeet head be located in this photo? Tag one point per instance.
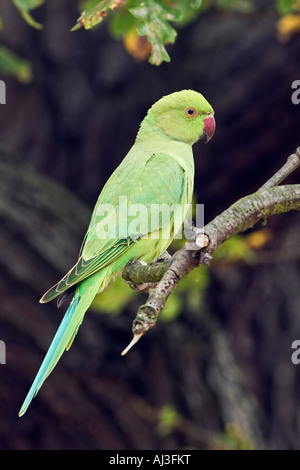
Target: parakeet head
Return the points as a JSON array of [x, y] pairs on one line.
[[184, 115]]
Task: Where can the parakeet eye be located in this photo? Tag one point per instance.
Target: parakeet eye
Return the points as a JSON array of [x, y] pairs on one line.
[[190, 112]]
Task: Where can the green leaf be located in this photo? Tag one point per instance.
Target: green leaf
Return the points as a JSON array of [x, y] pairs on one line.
[[10, 64], [94, 15], [153, 21], [285, 6], [24, 6], [189, 10], [28, 4], [122, 23], [30, 20]]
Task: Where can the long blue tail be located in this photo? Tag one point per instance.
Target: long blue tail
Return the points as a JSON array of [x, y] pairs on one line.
[[84, 295], [61, 341]]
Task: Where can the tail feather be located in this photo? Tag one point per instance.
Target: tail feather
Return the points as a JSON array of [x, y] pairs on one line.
[[63, 338]]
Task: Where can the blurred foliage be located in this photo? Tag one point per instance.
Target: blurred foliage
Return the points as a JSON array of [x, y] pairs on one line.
[[232, 439], [242, 247], [147, 27], [287, 26], [285, 6], [11, 64], [24, 7], [233, 250], [168, 419], [151, 20], [194, 284], [289, 23]]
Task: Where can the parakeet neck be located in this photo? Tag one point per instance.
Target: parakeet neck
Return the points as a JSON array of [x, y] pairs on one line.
[[149, 129], [151, 136]]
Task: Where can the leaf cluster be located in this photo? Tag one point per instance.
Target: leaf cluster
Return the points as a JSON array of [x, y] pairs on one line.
[[146, 27]]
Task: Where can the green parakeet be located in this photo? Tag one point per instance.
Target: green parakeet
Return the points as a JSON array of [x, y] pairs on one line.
[[158, 169]]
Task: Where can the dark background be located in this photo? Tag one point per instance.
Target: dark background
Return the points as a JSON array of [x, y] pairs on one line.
[[225, 360]]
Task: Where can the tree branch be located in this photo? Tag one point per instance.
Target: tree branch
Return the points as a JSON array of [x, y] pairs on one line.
[[246, 212], [161, 278]]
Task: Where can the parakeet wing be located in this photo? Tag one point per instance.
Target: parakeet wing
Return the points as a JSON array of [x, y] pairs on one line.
[[159, 181]]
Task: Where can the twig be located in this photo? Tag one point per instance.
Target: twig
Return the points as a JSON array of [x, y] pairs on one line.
[[292, 163]]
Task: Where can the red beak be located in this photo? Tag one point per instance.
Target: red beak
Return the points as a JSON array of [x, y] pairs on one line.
[[209, 126]]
